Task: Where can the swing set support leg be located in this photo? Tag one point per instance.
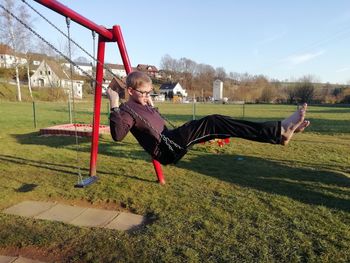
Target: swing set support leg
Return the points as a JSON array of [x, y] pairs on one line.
[[159, 171], [97, 106], [127, 65]]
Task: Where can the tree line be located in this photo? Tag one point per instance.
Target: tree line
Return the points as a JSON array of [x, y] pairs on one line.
[[198, 80], [22, 43]]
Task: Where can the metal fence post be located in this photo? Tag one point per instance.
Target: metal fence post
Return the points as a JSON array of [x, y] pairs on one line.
[[34, 114]]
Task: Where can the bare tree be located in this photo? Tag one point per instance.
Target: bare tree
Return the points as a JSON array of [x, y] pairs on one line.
[[291, 94], [14, 34], [220, 73], [305, 89], [170, 65], [82, 59], [187, 68], [205, 75]]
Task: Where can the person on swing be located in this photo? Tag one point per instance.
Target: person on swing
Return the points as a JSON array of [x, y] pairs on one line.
[[168, 146]]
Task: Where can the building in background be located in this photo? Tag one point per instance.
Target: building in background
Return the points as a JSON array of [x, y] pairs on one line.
[[218, 87], [172, 90]]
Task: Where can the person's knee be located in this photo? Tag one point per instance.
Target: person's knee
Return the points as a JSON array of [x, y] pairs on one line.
[[214, 117], [211, 119]]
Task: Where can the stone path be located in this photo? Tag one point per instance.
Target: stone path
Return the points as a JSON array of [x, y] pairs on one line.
[[79, 216]]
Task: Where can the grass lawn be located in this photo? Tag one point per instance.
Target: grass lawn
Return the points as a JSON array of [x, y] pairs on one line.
[[245, 202]]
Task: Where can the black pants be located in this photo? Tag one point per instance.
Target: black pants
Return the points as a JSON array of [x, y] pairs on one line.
[[215, 126]]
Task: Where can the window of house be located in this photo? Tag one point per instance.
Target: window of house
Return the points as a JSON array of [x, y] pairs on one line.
[[41, 72]]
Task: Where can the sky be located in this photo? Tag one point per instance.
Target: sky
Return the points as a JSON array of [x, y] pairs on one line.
[[282, 40]]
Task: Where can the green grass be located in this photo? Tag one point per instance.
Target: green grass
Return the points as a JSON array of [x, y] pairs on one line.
[[245, 202]]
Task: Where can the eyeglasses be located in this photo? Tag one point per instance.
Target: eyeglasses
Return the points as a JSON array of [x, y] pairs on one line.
[[144, 93]]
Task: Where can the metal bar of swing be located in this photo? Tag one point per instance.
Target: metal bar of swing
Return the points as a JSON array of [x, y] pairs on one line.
[[76, 17], [105, 35]]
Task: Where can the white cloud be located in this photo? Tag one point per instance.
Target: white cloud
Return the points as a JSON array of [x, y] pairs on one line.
[[272, 38], [302, 58], [343, 69]]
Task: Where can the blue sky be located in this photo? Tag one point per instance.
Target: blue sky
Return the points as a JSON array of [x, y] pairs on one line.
[[279, 39]]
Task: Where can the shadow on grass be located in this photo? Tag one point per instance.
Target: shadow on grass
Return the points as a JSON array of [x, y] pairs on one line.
[[58, 167], [25, 188], [106, 146], [315, 187], [309, 185]]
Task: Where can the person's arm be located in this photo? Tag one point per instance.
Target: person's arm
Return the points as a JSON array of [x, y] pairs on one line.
[[120, 121]]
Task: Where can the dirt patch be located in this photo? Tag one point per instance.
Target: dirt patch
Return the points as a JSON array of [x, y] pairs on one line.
[[107, 205], [35, 253]]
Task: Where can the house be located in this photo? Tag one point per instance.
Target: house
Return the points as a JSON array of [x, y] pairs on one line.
[[35, 60], [50, 74], [8, 59], [172, 89], [79, 68], [151, 70], [164, 74], [117, 69]]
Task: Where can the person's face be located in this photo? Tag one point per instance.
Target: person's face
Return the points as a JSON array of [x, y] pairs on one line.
[[141, 94]]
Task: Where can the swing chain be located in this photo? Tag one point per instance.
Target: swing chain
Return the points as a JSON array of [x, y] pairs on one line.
[[75, 43], [166, 139], [166, 119], [77, 146], [170, 143]]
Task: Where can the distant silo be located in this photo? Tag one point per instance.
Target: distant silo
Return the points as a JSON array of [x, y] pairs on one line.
[[218, 87]]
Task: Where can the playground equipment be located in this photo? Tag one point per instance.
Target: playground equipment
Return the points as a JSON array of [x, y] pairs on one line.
[[105, 35]]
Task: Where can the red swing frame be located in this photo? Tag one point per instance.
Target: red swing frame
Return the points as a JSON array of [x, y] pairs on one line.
[[104, 35]]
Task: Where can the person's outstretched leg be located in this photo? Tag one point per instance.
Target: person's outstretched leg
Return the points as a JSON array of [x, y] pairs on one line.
[[294, 123], [219, 126]]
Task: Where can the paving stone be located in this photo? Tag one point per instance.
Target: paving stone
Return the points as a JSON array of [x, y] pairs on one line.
[[94, 217], [80, 216], [64, 213], [6, 259], [126, 221], [26, 260], [29, 208]]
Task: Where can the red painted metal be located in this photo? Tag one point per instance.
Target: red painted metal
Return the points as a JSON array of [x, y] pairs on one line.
[[123, 53], [105, 35], [122, 48], [97, 105], [66, 11], [159, 172]]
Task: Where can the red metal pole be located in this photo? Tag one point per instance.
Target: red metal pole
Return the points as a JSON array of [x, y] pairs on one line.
[[126, 61], [97, 105], [122, 48], [159, 172], [66, 11]]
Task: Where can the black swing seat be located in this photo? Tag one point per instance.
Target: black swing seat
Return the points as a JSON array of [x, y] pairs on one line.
[[86, 182]]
